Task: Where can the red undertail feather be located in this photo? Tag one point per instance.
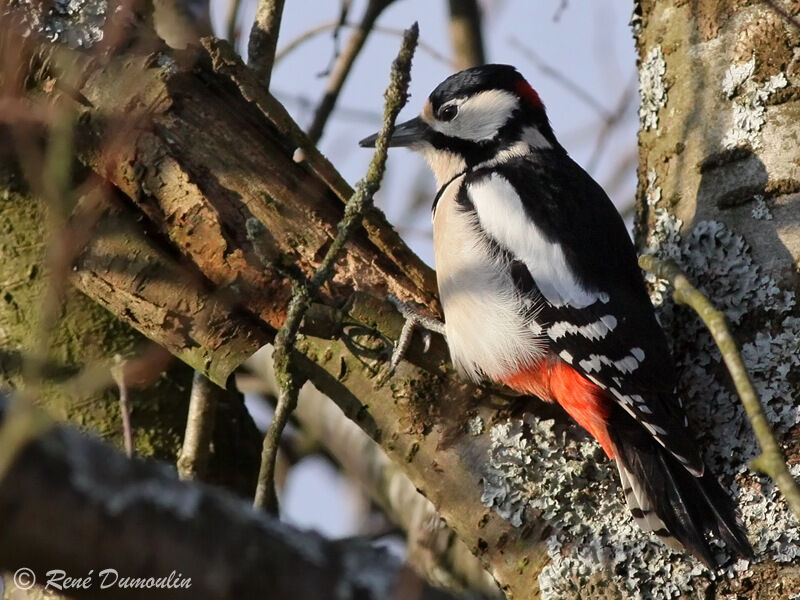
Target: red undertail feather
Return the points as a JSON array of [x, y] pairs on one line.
[[679, 507], [556, 381]]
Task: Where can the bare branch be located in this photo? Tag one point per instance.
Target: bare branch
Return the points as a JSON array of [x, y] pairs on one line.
[[422, 45], [118, 373], [625, 101], [361, 200], [432, 547], [771, 461], [264, 39], [342, 68], [465, 33], [196, 449]]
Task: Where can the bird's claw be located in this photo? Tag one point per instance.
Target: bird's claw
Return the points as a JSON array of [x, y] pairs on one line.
[[412, 319]]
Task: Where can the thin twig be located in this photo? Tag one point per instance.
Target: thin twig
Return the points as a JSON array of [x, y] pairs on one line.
[[196, 449], [118, 373], [304, 103], [771, 461], [342, 68], [560, 11], [625, 101], [559, 78], [310, 34], [264, 39], [344, 11], [396, 95]]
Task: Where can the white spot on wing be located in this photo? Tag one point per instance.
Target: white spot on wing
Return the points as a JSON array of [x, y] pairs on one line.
[[503, 216], [627, 365], [638, 354], [596, 381], [565, 356], [595, 362], [592, 331]]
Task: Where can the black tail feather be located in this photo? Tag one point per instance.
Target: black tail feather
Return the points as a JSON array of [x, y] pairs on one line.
[[688, 506]]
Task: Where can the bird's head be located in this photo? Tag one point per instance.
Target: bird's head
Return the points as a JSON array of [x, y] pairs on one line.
[[483, 114]]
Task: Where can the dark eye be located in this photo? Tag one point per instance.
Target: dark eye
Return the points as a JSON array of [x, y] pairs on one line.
[[448, 113]]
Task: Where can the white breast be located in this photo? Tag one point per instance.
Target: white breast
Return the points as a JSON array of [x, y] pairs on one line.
[[487, 331]]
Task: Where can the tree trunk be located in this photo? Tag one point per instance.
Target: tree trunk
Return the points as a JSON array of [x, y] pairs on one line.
[[718, 192]]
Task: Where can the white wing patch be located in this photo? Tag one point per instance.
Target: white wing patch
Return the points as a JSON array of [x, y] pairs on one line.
[[593, 331], [503, 217]]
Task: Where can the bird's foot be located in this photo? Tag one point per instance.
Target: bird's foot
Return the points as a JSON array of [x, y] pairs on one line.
[[413, 319]]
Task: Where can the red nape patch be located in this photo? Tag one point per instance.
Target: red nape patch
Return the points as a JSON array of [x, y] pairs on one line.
[[527, 93], [556, 381]]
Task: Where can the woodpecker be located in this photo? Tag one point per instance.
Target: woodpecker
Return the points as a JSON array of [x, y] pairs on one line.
[[541, 291]]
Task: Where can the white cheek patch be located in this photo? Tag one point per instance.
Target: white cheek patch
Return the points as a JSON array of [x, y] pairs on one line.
[[480, 116]]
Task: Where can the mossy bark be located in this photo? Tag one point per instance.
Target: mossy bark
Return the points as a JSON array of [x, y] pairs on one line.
[[719, 175], [87, 335]]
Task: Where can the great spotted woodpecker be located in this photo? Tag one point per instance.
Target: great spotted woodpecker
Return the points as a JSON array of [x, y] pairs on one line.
[[541, 291]]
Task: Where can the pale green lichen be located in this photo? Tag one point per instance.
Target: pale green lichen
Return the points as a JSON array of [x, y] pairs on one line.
[[652, 88], [535, 473], [719, 262], [749, 103], [653, 192], [760, 210], [476, 425]]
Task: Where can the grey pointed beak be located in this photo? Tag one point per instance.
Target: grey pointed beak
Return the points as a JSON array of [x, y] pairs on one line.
[[404, 134]]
